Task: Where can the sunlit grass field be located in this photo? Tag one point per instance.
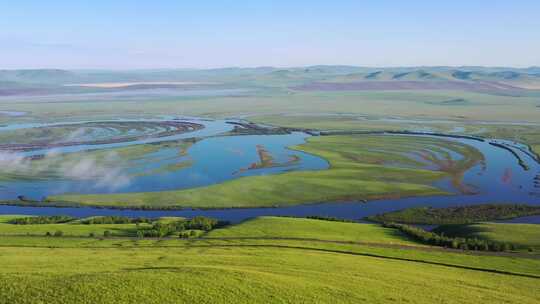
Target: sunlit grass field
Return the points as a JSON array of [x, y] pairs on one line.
[[259, 270], [242, 275], [284, 227]]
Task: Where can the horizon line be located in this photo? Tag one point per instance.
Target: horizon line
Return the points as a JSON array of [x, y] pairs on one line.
[[274, 67]]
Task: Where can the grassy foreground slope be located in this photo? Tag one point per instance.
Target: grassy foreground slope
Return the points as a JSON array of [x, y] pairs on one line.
[[242, 275], [361, 167], [90, 270], [522, 235]]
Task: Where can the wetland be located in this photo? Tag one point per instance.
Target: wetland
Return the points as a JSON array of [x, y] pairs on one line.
[[188, 166]]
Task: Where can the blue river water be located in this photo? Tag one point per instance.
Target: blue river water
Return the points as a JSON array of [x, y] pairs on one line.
[[500, 178]]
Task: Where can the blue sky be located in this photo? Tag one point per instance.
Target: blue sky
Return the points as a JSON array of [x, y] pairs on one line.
[[178, 34]]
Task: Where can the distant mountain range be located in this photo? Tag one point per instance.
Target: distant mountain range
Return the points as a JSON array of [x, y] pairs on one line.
[[320, 77]]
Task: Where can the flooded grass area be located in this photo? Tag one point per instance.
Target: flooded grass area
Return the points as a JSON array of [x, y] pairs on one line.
[[90, 133], [356, 172]]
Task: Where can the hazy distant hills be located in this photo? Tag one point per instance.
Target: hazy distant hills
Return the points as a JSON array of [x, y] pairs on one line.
[[484, 79]]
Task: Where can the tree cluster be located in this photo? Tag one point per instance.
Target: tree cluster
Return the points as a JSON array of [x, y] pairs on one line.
[[457, 215], [163, 229], [100, 220], [435, 239]]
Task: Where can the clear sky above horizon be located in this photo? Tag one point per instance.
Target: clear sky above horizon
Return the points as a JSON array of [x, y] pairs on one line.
[[200, 34]]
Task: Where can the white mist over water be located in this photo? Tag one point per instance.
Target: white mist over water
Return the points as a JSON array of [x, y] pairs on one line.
[[106, 172]]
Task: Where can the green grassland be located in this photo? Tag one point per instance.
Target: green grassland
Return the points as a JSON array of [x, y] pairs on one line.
[[283, 227], [361, 167], [427, 104], [263, 270], [523, 235], [242, 275], [536, 149]]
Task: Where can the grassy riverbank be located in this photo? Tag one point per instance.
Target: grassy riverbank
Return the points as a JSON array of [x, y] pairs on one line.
[[264, 260], [361, 167]]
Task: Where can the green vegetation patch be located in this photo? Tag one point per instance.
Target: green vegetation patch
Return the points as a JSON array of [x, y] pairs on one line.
[[35, 220], [456, 215], [285, 227], [242, 275], [536, 149]]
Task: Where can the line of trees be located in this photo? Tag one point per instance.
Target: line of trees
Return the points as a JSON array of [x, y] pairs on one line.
[[99, 220], [435, 239], [456, 215], [36, 220]]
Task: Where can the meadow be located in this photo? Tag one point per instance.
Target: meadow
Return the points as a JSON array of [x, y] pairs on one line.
[[275, 102], [265, 260]]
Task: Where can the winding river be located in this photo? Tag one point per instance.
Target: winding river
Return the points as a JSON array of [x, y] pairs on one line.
[[508, 175]]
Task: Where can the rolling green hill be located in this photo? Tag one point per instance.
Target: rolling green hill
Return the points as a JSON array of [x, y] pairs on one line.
[[241, 264]]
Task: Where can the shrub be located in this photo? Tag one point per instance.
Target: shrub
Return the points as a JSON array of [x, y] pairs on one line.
[[107, 233], [201, 223], [58, 233]]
